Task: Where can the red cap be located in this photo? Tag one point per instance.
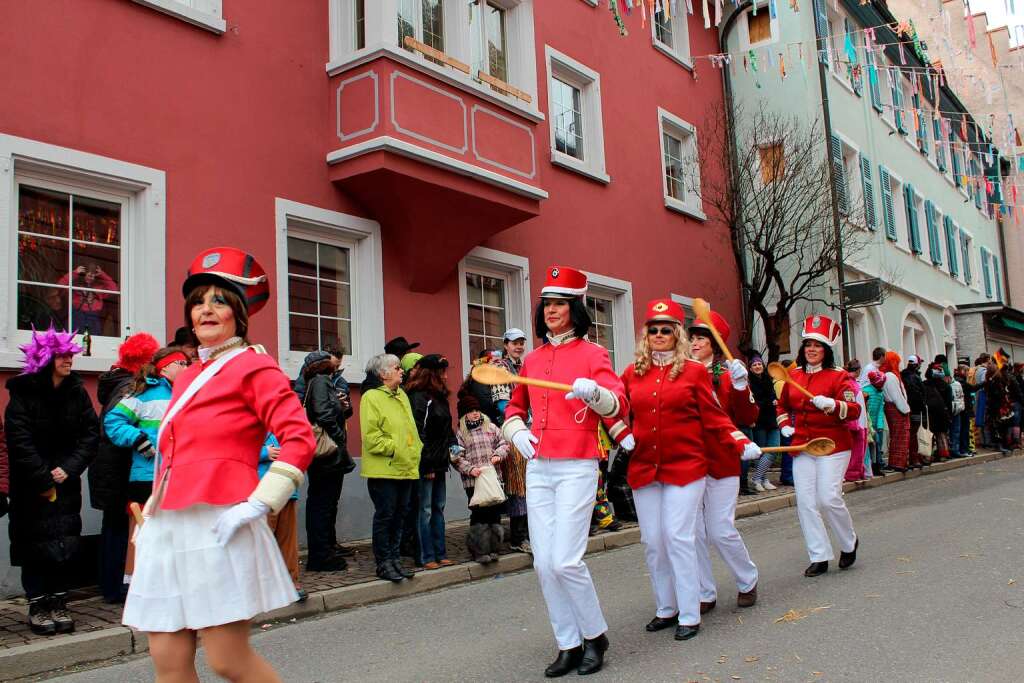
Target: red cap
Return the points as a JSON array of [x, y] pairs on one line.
[[563, 282], [233, 268], [720, 325], [666, 310], [820, 328]]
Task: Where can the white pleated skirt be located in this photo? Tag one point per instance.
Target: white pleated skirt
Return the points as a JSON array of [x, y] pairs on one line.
[[184, 580]]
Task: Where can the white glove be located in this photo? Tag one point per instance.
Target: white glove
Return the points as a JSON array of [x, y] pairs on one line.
[[824, 403], [738, 373], [523, 440], [237, 515], [584, 389], [751, 452], [788, 431], [628, 443]]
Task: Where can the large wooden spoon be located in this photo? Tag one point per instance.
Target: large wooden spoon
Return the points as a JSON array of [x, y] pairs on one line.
[[779, 373], [493, 374], [702, 309], [821, 445]]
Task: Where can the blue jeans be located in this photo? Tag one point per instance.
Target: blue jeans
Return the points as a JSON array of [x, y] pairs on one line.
[[786, 477], [390, 502], [954, 435], [432, 499]]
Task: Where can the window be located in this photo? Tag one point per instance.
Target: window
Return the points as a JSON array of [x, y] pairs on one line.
[[940, 145], [833, 37], [949, 228], [360, 24], [912, 202], [773, 162], [202, 13], [670, 35], [932, 219], [896, 88], [87, 238], [759, 28], [868, 192], [602, 327], [851, 45], [986, 274], [494, 295], [574, 103], [423, 20], [610, 303], [873, 83], [965, 252], [996, 279], [319, 296], [489, 44], [680, 166], [687, 303], [330, 291], [839, 175]]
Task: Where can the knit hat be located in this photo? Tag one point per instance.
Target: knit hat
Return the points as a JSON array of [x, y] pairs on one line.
[[876, 378], [46, 346], [755, 358], [467, 404], [409, 360], [136, 351]]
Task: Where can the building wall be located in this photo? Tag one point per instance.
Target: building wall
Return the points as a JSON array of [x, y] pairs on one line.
[[231, 125]]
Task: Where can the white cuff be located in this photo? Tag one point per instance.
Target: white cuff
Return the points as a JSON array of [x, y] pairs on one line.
[[511, 426], [607, 403], [278, 485]]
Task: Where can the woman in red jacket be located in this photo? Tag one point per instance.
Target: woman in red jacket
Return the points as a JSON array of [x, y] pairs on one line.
[[206, 561], [674, 412], [718, 526], [819, 480]]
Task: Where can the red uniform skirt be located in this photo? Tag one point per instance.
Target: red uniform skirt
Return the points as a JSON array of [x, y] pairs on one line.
[[899, 437]]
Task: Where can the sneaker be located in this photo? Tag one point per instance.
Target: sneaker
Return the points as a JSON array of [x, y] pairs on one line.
[[759, 487], [768, 486], [40, 620], [525, 545], [59, 612]]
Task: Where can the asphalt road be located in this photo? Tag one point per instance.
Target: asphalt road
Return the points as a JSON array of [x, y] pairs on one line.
[[937, 594]]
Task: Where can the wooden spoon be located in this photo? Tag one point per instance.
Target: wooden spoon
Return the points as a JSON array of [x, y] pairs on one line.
[[702, 309], [821, 445], [493, 374], [779, 372]]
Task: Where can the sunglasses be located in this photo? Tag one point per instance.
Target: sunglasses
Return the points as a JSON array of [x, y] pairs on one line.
[[667, 331]]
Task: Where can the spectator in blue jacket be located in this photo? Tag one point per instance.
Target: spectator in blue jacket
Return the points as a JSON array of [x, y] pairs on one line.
[[285, 523]]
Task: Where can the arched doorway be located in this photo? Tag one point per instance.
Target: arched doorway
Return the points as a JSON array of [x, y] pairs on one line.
[[917, 338]]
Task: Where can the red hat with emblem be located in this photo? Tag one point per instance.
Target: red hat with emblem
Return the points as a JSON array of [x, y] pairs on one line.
[[563, 282], [720, 325], [820, 328], [665, 310], [232, 268]]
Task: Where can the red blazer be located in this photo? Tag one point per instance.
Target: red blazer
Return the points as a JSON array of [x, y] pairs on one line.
[[672, 421], [212, 446], [554, 418], [739, 405], [808, 421]]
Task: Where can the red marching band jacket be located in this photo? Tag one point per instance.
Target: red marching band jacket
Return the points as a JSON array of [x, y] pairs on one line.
[[808, 421], [564, 429], [674, 422], [739, 405], [212, 446]]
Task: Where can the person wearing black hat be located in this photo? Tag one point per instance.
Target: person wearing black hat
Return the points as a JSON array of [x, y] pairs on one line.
[[399, 346]]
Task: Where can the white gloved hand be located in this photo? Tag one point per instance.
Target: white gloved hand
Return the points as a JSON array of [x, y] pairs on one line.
[[751, 451], [523, 441], [824, 403], [237, 515], [628, 443], [738, 373], [788, 431], [584, 389]]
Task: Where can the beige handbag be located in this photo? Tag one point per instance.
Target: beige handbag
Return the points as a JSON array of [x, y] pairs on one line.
[[924, 438], [487, 489]]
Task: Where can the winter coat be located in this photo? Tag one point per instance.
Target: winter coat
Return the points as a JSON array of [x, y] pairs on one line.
[[914, 386], [134, 423], [323, 409], [481, 444], [108, 473], [391, 443], [763, 389], [433, 418], [940, 407], [47, 427], [5, 472], [874, 399]]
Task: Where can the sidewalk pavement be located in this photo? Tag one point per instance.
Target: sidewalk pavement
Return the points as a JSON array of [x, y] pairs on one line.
[[100, 636]]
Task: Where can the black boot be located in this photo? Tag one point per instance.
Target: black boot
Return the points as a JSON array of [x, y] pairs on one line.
[[816, 569], [39, 618], [684, 632], [846, 560], [386, 570], [403, 572], [59, 611], [659, 623], [593, 655], [566, 661]]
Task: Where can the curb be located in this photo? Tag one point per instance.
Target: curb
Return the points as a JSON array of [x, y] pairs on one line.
[[65, 651]]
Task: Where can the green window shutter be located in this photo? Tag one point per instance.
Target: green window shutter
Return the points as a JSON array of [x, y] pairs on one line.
[[869, 193], [940, 150], [965, 251], [873, 84], [995, 278], [986, 275], [955, 154], [839, 170], [934, 247], [976, 184], [897, 99], [821, 19], [950, 229], [888, 215], [913, 223]]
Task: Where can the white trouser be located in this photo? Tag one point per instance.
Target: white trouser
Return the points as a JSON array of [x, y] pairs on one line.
[[668, 528], [819, 489], [560, 497], [719, 525]]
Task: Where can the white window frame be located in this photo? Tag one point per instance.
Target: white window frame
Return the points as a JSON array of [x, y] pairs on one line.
[[686, 132], [977, 276], [773, 23], [687, 303], [362, 238], [141, 192], [624, 333], [515, 271], [568, 70], [680, 52], [381, 38], [899, 213], [206, 14], [851, 170]]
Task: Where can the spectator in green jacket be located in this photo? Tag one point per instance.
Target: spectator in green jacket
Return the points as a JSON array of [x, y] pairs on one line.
[[391, 460], [874, 399]]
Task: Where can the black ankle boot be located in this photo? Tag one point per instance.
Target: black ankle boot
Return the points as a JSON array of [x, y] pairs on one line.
[[387, 571], [59, 611], [593, 655], [816, 569], [846, 560], [566, 661], [40, 620], [405, 573]]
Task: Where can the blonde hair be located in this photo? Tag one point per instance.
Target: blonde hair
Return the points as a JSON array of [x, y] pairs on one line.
[[681, 352]]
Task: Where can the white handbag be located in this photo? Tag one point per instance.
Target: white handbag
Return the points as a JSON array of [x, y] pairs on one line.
[[924, 438], [487, 489]]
